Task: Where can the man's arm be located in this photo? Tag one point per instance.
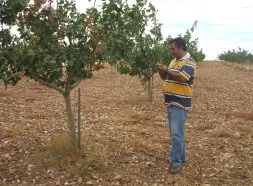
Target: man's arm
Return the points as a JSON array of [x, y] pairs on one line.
[[174, 75]]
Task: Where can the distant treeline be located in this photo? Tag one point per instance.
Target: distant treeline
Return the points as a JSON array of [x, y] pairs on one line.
[[238, 56]]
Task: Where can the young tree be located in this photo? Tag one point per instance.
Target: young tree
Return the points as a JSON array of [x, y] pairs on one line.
[[148, 50], [142, 63], [192, 45], [166, 56], [142, 58], [54, 48], [242, 56], [57, 46]]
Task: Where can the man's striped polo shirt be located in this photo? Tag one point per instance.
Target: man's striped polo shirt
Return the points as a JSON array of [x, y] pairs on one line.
[[177, 93]]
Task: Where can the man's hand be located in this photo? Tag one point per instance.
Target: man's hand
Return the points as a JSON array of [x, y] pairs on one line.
[[163, 71], [160, 67]]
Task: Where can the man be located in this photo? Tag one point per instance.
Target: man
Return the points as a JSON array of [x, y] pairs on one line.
[[177, 89]]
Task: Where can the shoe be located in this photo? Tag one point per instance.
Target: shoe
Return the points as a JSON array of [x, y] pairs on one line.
[[175, 169]]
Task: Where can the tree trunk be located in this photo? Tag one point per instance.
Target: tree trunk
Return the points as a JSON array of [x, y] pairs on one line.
[[150, 89], [111, 69], [72, 130]]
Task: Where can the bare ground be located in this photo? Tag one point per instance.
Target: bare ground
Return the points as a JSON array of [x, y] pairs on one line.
[[126, 141]]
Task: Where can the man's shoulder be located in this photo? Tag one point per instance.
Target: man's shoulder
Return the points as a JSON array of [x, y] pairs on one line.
[[173, 61], [190, 61]]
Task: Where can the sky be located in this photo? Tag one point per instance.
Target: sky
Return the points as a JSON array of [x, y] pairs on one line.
[[222, 24]]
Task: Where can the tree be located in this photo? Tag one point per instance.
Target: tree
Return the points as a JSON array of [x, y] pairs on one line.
[[192, 45], [53, 48], [242, 56], [9, 10], [144, 51], [149, 49], [57, 46], [250, 58], [166, 56]]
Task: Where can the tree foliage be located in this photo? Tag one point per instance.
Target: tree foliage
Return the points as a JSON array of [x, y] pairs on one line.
[[144, 53], [9, 10], [192, 44], [238, 56], [148, 49], [57, 46]]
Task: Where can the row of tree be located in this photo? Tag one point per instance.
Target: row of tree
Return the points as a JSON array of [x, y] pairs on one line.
[[237, 56], [58, 46]]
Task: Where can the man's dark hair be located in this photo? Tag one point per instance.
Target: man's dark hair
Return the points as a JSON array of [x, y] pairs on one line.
[[179, 42]]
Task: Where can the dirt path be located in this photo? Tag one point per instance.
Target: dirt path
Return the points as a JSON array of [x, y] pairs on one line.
[[126, 138]]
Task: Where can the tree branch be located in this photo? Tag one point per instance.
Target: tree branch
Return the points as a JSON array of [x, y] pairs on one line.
[[47, 84], [15, 75], [74, 85], [94, 4], [70, 40]]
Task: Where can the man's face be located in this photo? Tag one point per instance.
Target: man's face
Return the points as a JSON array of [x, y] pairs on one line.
[[175, 50]]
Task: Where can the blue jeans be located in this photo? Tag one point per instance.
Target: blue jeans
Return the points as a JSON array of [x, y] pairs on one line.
[[176, 121]]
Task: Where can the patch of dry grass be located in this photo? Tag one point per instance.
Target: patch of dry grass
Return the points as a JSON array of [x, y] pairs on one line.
[[144, 145], [246, 130], [59, 153], [205, 126], [223, 133], [136, 100], [134, 118], [96, 153]]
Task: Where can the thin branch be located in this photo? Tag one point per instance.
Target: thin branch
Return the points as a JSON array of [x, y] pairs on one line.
[[47, 84], [74, 85], [124, 2], [15, 75], [57, 4], [94, 4], [70, 40], [12, 76]]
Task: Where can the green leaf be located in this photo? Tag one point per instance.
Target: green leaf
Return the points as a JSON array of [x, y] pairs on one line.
[[30, 52]]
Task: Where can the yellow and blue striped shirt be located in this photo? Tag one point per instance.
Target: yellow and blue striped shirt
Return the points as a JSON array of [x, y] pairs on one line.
[[177, 93]]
